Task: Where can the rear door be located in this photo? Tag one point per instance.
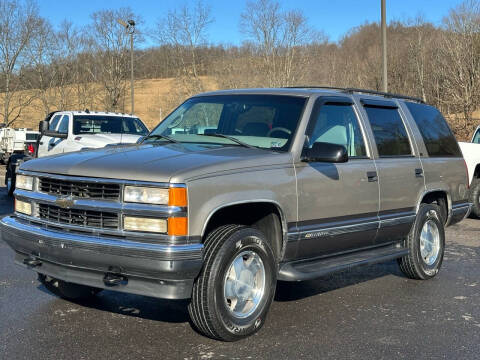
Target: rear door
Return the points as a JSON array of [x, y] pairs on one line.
[[337, 203], [400, 171]]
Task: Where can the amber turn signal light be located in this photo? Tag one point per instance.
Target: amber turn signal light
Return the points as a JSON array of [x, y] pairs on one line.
[[177, 196], [178, 226]]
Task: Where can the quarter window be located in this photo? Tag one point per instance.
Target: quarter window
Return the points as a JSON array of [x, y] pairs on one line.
[[437, 136], [389, 131], [338, 124]]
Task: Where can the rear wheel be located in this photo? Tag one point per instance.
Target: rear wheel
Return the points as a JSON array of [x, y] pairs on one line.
[[233, 293], [426, 243], [67, 290], [475, 197]]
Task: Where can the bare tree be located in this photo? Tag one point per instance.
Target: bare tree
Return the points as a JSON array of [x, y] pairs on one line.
[[19, 22], [461, 61], [185, 30], [278, 36], [41, 54], [109, 42]]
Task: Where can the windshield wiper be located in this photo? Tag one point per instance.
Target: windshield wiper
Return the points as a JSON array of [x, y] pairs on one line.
[[231, 138], [158, 136]]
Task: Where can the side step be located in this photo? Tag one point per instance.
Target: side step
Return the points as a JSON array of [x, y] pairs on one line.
[[313, 268]]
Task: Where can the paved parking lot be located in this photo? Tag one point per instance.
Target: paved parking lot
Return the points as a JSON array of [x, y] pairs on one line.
[[371, 312]]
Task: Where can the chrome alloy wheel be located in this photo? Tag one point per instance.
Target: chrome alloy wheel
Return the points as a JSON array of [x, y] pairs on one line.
[[429, 242], [244, 284]]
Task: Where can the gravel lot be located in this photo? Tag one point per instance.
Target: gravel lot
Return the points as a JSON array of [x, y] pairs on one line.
[[371, 312]]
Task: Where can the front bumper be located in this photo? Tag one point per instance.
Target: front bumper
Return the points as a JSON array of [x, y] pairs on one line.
[[163, 271]]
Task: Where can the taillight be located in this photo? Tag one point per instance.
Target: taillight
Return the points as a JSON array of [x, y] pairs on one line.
[[468, 175], [30, 149]]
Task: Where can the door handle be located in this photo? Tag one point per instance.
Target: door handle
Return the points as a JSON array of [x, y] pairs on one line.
[[419, 172], [372, 176]]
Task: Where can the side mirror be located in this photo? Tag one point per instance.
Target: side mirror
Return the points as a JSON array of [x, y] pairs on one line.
[[42, 126], [325, 152]]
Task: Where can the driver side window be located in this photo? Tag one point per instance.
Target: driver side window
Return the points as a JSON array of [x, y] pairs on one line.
[[338, 124], [476, 138], [54, 122]]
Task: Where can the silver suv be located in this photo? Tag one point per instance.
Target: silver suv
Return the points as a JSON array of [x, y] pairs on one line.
[[235, 190]]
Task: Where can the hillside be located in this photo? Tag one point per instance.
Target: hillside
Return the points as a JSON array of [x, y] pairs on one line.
[[154, 99]]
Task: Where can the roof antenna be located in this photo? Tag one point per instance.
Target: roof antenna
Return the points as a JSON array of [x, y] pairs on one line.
[[87, 111]]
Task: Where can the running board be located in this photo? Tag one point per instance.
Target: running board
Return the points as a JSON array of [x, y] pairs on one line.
[[310, 269]]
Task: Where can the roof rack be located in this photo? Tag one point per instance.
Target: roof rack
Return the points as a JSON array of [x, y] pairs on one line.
[[362, 91]]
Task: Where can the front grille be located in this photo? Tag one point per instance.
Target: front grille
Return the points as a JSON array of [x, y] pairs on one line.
[[81, 189], [78, 217]]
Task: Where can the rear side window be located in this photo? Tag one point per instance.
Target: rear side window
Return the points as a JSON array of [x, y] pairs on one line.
[[389, 131], [437, 136]]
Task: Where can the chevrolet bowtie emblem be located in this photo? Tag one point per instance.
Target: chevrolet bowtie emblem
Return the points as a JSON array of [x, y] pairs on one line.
[[65, 202]]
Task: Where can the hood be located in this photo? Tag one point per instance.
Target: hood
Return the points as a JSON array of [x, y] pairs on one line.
[[160, 163], [100, 140]]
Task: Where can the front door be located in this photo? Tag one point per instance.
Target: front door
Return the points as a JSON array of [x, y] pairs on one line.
[[47, 144], [337, 203]]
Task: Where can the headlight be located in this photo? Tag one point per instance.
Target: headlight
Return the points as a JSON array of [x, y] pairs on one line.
[[145, 195], [23, 207], [133, 223], [24, 182]]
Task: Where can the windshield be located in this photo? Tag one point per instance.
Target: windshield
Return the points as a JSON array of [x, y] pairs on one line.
[[263, 121], [88, 124]]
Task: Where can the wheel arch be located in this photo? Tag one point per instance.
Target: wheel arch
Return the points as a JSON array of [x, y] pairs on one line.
[[258, 216], [439, 196]]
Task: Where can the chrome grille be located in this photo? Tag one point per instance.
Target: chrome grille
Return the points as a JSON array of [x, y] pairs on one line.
[[79, 217], [80, 189]]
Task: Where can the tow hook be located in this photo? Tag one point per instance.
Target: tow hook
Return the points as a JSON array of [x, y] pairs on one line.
[[112, 279], [31, 261]]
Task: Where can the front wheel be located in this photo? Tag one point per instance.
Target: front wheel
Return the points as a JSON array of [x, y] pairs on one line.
[[233, 293], [426, 243]]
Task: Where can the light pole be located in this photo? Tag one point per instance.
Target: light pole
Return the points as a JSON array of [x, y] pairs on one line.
[[384, 46], [130, 27]]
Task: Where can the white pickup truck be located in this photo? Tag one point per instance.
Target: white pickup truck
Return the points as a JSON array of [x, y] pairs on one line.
[[68, 131], [471, 154]]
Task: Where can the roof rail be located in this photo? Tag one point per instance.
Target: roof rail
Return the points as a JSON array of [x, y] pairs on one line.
[[384, 94], [361, 91]]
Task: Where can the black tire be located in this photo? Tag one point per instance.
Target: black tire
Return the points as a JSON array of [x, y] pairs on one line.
[[414, 265], [475, 197], [208, 307], [66, 290]]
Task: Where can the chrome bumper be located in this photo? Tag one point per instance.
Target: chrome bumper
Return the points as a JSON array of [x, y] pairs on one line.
[[165, 271]]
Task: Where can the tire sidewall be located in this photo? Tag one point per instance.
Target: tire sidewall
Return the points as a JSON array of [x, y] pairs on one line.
[[426, 213], [475, 197], [243, 240]]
